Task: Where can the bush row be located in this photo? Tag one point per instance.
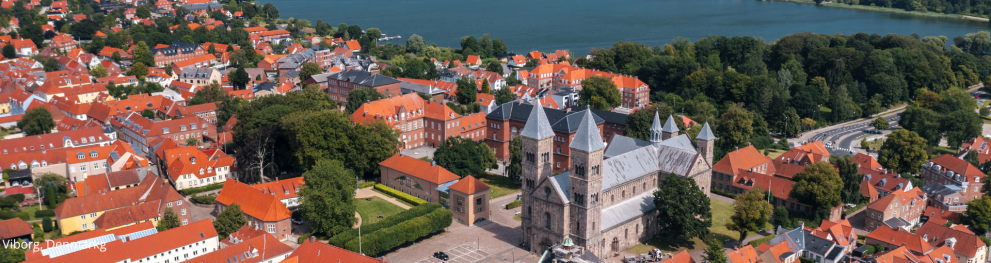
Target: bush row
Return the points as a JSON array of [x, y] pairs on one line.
[[342, 238], [514, 204], [192, 191], [402, 196], [757, 242], [204, 199], [44, 213], [378, 242], [723, 193], [4, 215], [366, 185]]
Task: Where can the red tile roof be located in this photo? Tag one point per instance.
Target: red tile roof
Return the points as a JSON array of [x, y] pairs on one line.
[[933, 212], [281, 189], [745, 254], [419, 169], [253, 203], [473, 59], [952, 163], [353, 45], [780, 187], [866, 161], [316, 252], [14, 227], [131, 214], [681, 257], [261, 247], [967, 243], [470, 185], [742, 159], [898, 237]]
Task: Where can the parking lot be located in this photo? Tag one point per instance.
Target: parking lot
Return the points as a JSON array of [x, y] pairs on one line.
[[460, 254]]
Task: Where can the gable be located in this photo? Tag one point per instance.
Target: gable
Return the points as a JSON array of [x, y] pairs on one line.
[[549, 189]]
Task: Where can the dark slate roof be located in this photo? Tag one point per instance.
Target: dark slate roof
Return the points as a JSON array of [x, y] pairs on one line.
[[621, 144], [175, 46], [562, 185], [835, 253], [202, 6], [560, 120], [817, 245], [626, 210], [197, 73], [608, 116], [19, 174], [296, 60], [656, 125], [706, 133], [670, 126], [292, 73], [363, 78], [268, 85]]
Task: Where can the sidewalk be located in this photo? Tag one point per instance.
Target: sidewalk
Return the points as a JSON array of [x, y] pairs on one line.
[[368, 192]]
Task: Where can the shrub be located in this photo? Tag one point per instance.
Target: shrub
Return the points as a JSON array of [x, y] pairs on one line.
[[514, 204], [366, 184], [204, 199], [342, 238], [192, 191], [44, 213], [46, 224], [385, 239], [303, 238], [762, 142], [757, 242], [4, 215], [723, 193], [17, 198], [400, 195], [24, 216]]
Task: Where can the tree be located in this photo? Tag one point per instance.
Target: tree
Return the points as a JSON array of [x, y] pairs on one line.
[[515, 166], [494, 66], [170, 220], [98, 71], [984, 111], [9, 51], [978, 215], [925, 122], [599, 92], [143, 55], [793, 124], [752, 213], [36, 121], [781, 217], [148, 113], [9, 254], [504, 95], [880, 123], [819, 185], [714, 252], [467, 90], [463, 156], [486, 88], [735, 127], [239, 78], [851, 179], [638, 124], [139, 70], [415, 45], [328, 194], [192, 141], [331, 134], [864, 145], [143, 12], [309, 69], [903, 152], [960, 126], [46, 224], [359, 97], [208, 94], [683, 208], [232, 219]]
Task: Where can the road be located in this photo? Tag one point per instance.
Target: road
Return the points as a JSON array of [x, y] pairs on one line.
[[844, 135]]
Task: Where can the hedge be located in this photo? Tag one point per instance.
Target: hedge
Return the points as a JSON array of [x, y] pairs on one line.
[[24, 216], [16, 197], [757, 242], [192, 191], [400, 195], [366, 185], [204, 199], [44, 213], [378, 242], [303, 238], [514, 204], [4, 215], [342, 238], [723, 193]]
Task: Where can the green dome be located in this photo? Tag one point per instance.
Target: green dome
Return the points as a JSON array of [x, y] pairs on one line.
[[567, 242]]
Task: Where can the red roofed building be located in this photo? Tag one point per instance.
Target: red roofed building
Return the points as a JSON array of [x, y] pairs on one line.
[[312, 251], [867, 161], [286, 190], [353, 45], [16, 229], [50, 141], [189, 167], [186, 242], [898, 209], [81, 213], [725, 171], [241, 248], [139, 131], [274, 36], [416, 177], [806, 154], [421, 122], [967, 246], [264, 211], [473, 60], [892, 238], [745, 254], [63, 42], [780, 189], [943, 215], [112, 181], [207, 111], [951, 182], [683, 257], [24, 47], [469, 200], [779, 253], [878, 184]]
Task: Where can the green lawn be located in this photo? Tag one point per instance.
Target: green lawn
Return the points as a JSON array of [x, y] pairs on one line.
[[501, 185], [774, 153], [30, 210], [370, 210], [518, 217], [941, 150], [721, 212]]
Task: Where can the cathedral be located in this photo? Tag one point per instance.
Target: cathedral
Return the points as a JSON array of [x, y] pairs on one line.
[[605, 200]]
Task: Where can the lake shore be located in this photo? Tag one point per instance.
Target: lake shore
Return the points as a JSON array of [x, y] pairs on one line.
[[889, 10]]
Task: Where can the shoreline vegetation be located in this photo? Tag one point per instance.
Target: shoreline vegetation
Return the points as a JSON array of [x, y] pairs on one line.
[[889, 10]]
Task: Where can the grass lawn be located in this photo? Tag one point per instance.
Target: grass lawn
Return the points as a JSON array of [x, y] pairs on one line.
[[397, 199], [370, 210], [940, 150], [30, 210], [721, 212], [501, 185], [774, 153], [426, 159], [518, 217]]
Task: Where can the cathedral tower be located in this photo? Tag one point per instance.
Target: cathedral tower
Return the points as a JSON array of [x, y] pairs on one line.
[[655, 131], [537, 143], [705, 142], [670, 129], [587, 151]]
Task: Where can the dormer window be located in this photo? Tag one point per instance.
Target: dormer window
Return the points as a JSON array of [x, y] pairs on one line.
[[192, 160], [92, 154], [80, 156]]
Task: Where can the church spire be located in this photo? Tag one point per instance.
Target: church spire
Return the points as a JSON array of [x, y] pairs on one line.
[[537, 126], [587, 137], [655, 130], [670, 128]]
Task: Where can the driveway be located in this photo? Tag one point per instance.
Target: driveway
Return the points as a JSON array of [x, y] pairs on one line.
[[419, 152]]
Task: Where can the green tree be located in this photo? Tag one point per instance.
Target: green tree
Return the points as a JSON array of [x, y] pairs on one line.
[[9, 51], [925, 122], [638, 124], [714, 252], [143, 55], [820, 186], [515, 166], [752, 212], [208, 94], [309, 69], [463, 156], [494, 66], [170, 220], [864, 145], [139, 70], [985, 111], [683, 208], [148, 113], [239, 78], [880, 123], [192, 141], [978, 215], [11, 255], [329, 134], [359, 97], [599, 93], [415, 45], [36, 121], [903, 152], [328, 189], [467, 90], [735, 127], [143, 12], [851, 179], [793, 123], [504, 95], [485, 87], [98, 71], [960, 126], [231, 219], [781, 217]]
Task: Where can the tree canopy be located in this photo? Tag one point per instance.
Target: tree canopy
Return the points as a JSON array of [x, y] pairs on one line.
[[229, 220], [752, 212], [683, 208], [463, 156], [328, 191], [903, 152], [599, 93], [36, 121], [820, 186]]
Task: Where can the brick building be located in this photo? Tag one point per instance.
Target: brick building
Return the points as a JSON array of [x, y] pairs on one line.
[[140, 131], [263, 211], [421, 122], [469, 200], [340, 84], [81, 213], [951, 182], [900, 209], [178, 51], [416, 177]]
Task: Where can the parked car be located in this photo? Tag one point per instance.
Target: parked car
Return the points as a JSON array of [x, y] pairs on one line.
[[441, 255], [297, 221]]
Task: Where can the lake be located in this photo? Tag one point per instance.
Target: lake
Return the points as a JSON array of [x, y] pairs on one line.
[[579, 25]]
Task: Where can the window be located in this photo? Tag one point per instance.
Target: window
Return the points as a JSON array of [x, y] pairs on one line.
[[169, 204], [271, 228], [82, 167], [478, 201], [547, 223], [183, 211]]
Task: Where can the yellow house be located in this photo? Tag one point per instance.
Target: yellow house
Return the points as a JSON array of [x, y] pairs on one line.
[[110, 208], [78, 214], [131, 215]]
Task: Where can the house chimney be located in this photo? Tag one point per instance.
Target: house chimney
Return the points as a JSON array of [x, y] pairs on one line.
[[433, 163], [313, 239]]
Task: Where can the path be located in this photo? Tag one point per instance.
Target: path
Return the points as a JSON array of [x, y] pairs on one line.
[[368, 192]]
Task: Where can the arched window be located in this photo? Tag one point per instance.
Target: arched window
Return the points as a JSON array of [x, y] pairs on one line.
[[626, 233], [548, 221], [612, 198], [529, 211], [638, 229], [559, 149]]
